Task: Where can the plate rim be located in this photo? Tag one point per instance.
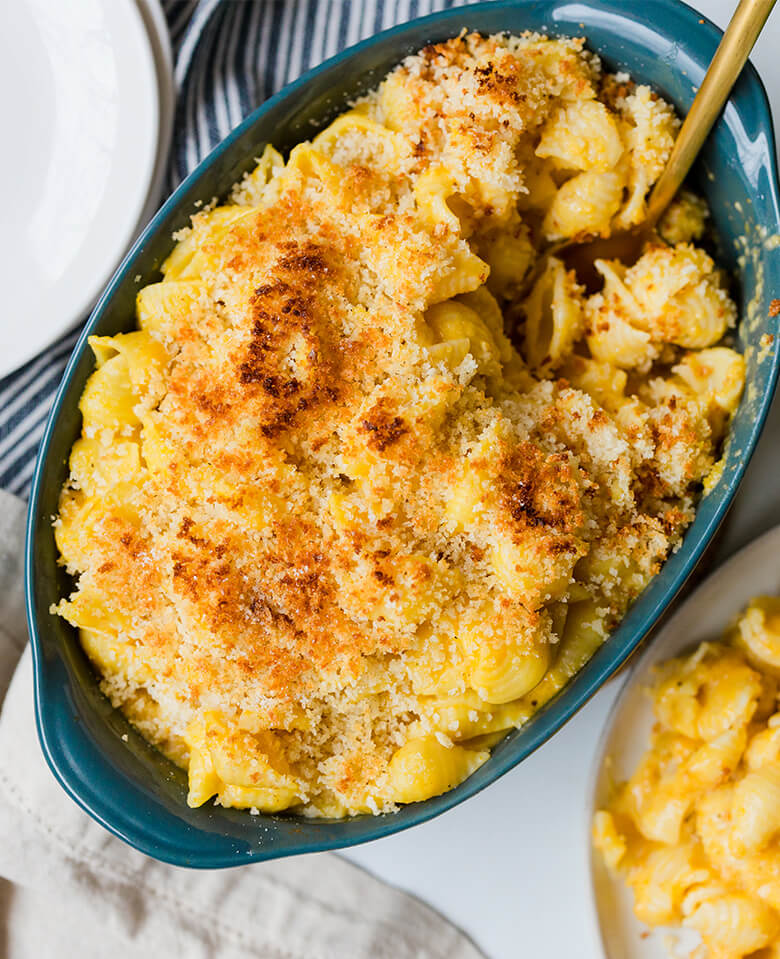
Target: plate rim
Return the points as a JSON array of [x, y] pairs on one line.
[[153, 17]]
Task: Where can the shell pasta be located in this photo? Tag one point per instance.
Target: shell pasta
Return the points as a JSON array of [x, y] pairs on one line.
[[695, 829], [350, 503]]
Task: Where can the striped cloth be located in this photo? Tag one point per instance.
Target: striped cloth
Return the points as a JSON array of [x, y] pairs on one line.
[[229, 57]]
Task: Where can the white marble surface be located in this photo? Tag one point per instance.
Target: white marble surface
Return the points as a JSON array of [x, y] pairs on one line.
[[509, 865]]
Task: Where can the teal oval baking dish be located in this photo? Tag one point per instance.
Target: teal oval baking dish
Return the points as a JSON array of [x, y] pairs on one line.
[[96, 755]]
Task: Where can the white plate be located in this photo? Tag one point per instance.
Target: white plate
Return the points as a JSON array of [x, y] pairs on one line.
[[704, 615], [81, 116]]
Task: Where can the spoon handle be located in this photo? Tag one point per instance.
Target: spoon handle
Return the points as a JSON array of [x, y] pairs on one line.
[[737, 42]]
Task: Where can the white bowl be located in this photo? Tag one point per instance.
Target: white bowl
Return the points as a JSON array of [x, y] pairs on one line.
[[705, 615]]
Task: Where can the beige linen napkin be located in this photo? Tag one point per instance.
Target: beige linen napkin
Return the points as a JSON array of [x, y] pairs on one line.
[[72, 889]]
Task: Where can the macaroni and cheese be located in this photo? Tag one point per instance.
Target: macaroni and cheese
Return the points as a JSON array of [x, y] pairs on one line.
[[695, 829], [335, 526]]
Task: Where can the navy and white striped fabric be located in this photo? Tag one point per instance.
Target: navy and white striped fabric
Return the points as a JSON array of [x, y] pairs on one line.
[[229, 57]]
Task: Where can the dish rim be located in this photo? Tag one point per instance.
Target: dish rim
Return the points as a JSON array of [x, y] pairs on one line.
[[579, 690]]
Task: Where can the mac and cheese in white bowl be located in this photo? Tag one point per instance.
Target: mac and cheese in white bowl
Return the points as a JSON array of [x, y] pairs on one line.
[[395, 730], [682, 807]]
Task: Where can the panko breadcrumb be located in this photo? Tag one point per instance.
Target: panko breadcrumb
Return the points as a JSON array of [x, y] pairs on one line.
[[335, 524]]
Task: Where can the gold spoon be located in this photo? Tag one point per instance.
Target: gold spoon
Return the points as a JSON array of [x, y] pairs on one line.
[[626, 245]]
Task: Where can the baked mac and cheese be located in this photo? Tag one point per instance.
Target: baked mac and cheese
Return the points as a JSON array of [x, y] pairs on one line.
[[336, 526], [695, 829]]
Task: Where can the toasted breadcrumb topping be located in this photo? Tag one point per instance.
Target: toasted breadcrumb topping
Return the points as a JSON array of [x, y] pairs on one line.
[[335, 520]]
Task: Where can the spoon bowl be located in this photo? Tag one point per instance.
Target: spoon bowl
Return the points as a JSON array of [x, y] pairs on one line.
[[626, 246]]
